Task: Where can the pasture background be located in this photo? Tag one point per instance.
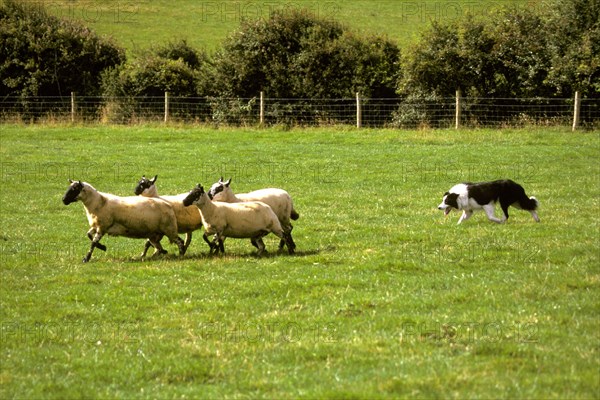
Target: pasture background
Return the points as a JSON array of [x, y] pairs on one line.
[[137, 25], [385, 298]]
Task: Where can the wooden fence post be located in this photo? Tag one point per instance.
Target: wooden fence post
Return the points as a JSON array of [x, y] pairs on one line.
[[458, 108], [576, 110], [262, 108], [72, 106], [166, 107], [358, 111]]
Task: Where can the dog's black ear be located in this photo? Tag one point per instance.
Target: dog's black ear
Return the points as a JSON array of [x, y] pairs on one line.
[[446, 194]]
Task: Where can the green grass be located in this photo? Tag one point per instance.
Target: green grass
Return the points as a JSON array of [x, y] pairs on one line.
[[205, 24], [386, 298]]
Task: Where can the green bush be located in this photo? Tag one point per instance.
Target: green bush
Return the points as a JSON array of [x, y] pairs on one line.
[[574, 30], [297, 55], [135, 90], [514, 53], [41, 55]]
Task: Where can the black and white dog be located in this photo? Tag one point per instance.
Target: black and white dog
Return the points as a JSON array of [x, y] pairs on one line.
[[470, 197]]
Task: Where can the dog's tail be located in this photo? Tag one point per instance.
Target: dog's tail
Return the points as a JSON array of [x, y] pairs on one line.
[[529, 204]]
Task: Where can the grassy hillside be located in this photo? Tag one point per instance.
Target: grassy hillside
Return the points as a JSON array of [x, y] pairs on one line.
[[139, 24], [386, 297]]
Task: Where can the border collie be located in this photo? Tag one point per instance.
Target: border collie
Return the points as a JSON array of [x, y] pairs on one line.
[[470, 197]]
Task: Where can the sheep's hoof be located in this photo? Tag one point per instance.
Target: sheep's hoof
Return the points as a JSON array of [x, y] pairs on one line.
[[260, 253], [85, 259], [159, 253]]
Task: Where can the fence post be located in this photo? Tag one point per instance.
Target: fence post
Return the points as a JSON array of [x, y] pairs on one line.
[[72, 106], [166, 107], [576, 110], [262, 108], [458, 108], [358, 111]]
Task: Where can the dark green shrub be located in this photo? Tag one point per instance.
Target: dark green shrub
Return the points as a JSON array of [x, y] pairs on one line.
[[41, 55], [136, 90], [296, 55]]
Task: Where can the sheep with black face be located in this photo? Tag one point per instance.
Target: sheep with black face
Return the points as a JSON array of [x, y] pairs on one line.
[[248, 220], [188, 218], [133, 217], [279, 200]]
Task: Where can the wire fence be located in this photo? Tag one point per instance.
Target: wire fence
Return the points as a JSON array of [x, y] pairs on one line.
[[361, 112]]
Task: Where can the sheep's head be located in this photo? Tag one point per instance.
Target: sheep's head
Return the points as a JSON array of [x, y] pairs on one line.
[[217, 188], [144, 184], [196, 196], [72, 193]]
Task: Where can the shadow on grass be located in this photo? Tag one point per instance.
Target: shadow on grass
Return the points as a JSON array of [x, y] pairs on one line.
[[205, 256]]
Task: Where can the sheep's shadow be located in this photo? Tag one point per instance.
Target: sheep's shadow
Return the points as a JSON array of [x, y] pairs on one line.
[[248, 255], [205, 256]]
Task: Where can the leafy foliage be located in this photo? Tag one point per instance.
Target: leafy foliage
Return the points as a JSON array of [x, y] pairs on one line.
[[296, 55], [175, 68], [574, 27], [40, 53], [514, 53]]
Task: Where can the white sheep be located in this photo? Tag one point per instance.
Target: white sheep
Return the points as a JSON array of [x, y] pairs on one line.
[[188, 218], [278, 199], [252, 220], [133, 217]]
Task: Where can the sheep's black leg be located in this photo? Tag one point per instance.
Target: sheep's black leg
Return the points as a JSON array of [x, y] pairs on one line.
[[260, 245], [289, 242], [181, 245], [159, 249], [90, 235], [212, 245], [146, 247], [95, 243], [188, 240]]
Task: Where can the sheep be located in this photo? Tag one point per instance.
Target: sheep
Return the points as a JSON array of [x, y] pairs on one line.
[[188, 218], [252, 220], [133, 217], [278, 199]]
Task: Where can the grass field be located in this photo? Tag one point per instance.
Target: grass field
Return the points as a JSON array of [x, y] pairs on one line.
[[205, 24], [385, 298]]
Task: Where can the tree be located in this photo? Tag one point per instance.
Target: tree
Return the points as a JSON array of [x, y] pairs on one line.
[[39, 54], [574, 30], [297, 55], [176, 68]]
